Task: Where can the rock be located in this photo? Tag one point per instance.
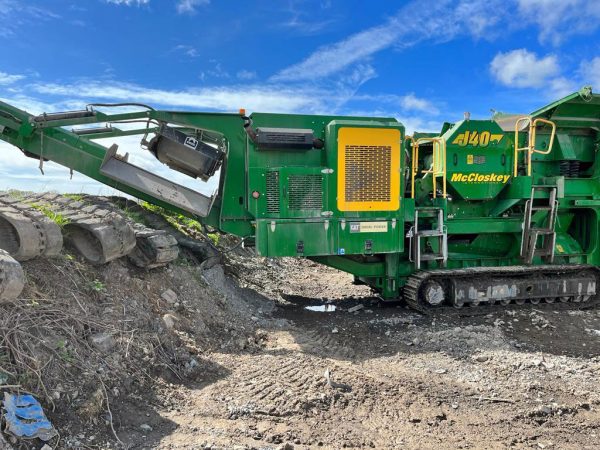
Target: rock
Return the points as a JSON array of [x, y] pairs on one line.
[[169, 296], [441, 371], [169, 321], [103, 341], [356, 308], [335, 331], [4, 445], [145, 427], [46, 447], [481, 358]]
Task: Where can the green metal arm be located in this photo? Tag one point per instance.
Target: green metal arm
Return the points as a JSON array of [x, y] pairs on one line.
[[50, 140]]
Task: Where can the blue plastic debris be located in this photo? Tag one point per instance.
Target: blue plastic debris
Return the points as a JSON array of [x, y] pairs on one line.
[[25, 418]]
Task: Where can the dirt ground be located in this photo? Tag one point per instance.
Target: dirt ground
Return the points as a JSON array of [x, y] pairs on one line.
[[244, 364]]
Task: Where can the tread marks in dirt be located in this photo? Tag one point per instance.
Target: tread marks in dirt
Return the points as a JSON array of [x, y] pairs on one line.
[[25, 232], [315, 389], [323, 343], [299, 385], [274, 386]]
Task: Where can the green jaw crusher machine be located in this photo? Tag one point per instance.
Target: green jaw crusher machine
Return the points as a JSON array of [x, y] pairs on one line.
[[487, 211]]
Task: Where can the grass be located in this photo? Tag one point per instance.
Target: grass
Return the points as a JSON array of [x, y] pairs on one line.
[[97, 286], [75, 197], [179, 221], [55, 217], [135, 216]]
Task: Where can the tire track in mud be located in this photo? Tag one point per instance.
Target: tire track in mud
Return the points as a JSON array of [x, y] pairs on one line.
[[322, 342]]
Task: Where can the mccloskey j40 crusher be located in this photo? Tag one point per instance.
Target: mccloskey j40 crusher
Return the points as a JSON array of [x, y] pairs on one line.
[[486, 211]]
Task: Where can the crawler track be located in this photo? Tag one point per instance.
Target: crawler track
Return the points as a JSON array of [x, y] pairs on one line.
[[154, 248], [97, 234], [25, 232], [413, 288]]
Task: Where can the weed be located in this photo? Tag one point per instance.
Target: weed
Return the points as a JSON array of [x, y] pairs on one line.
[[214, 237], [135, 216], [64, 352], [55, 217], [75, 197], [97, 286]]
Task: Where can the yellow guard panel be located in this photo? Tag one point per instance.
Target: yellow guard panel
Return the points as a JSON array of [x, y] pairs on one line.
[[368, 169]]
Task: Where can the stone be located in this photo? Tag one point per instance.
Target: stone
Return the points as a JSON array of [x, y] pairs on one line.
[[169, 296], [145, 427], [103, 341], [481, 358], [169, 321], [356, 308]]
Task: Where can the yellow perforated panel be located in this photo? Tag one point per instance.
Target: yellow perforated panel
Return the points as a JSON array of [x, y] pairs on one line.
[[368, 169]]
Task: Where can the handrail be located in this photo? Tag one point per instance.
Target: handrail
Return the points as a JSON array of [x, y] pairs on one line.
[[530, 148], [435, 164], [412, 159]]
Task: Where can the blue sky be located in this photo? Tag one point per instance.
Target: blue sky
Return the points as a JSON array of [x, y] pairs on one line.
[[423, 62]]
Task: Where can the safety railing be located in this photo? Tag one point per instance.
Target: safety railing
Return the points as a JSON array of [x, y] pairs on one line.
[[530, 147], [438, 163]]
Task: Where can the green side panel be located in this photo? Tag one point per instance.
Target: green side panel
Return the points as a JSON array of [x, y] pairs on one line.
[[478, 159], [294, 238], [354, 237]]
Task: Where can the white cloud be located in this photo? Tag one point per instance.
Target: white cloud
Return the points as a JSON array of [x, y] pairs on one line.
[[333, 58], [437, 20], [129, 2], [444, 20], [246, 74], [558, 19], [222, 98], [6, 78], [590, 72], [189, 6], [522, 68], [186, 50], [412, 102]]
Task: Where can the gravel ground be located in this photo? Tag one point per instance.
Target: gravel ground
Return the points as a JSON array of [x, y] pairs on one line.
[[265, 354], [386, 377]]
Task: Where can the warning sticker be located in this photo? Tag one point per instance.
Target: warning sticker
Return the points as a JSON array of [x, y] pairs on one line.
[[368, 227]]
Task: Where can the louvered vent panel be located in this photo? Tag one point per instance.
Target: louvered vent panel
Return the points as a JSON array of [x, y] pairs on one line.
[[273, 192], [368, 173], [305, 192]]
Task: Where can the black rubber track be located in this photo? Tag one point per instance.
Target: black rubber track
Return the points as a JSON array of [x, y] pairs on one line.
[[415, 282]]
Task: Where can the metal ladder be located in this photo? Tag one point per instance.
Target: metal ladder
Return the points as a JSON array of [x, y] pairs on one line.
[[440, 232], [531, 235]]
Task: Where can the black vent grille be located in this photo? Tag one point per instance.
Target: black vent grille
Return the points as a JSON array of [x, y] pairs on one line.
[[284, 138], [368, 173], [273, 192], [305, 192]]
